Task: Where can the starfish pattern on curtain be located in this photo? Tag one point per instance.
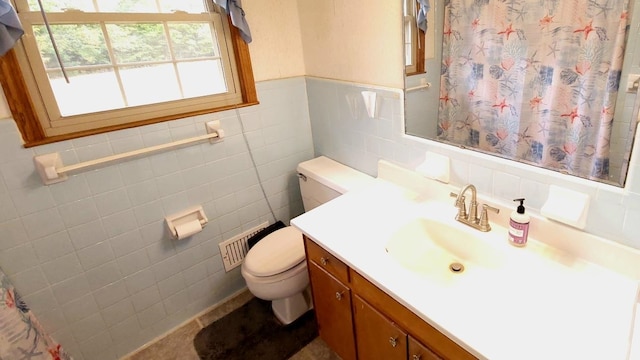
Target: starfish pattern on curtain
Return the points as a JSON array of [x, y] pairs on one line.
[[533, 80], [21, 335]]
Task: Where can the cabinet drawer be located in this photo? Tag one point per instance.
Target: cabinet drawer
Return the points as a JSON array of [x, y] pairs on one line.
[[326, 261], [417, 351]]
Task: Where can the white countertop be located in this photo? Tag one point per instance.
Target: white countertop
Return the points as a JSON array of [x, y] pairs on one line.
[[548, 305]]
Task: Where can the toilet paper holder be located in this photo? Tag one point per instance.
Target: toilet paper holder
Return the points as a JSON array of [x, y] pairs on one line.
[[191, 220]]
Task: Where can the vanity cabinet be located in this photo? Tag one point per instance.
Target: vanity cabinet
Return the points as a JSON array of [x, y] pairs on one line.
[[332, 301], [359, 321]]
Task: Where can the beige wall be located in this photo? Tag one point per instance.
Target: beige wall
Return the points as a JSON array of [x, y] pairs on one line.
[[352, 40], [276, 49], [324, 38]]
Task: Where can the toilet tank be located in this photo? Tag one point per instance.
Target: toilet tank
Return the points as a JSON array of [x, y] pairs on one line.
[[323, 179]]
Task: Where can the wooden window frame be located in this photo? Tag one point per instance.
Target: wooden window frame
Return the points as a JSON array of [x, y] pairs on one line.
[[420, 55], [25, 114], [418, 43]]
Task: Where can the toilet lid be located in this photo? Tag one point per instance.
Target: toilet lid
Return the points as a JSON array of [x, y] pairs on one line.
[[275, 253]]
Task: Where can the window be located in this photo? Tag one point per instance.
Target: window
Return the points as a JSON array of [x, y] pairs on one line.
[[128, 62], [414, 39]]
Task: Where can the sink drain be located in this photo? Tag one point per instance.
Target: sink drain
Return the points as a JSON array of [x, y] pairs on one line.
[[456, 267]]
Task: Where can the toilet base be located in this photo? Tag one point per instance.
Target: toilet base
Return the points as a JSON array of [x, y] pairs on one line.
[[287, 310]]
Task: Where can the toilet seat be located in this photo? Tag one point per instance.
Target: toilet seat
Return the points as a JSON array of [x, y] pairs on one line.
[[275, 253], [298, 270]]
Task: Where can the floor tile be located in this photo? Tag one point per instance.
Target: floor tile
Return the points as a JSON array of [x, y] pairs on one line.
[[178, 345]]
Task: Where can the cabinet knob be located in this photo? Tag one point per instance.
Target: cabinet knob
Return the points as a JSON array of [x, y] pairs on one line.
[[416, 357], [339, 295], [324, 261], [393, 341]]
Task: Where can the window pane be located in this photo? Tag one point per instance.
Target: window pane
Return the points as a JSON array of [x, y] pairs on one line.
[[140, 6], [408, 7], [79, 45], [190, 6], [168, 59], [79, 96], [201, 78], [138, 42], [193, 40], [129, 61], [408, 44], [61, 5], [151, 6], [150, 84]]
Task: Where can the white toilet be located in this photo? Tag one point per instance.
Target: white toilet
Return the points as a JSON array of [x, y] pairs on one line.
[[275, 268]]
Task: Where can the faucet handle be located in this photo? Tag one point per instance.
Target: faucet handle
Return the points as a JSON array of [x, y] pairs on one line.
[[460, 204], [459, 199], [457, 202], [486, 207], [484, 217]]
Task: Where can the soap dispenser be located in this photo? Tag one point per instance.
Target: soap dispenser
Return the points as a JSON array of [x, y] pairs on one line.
[[519, 225]]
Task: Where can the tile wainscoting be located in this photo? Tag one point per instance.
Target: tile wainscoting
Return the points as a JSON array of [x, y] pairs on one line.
[[92, 255]]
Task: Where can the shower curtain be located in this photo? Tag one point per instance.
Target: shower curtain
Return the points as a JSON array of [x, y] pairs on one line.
[[21, 336], [533, 80]]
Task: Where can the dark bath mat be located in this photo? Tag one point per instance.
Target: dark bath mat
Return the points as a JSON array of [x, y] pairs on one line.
[[253, 332]]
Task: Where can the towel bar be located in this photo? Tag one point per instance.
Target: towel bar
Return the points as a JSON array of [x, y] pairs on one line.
[[419, 87], [51, 169]]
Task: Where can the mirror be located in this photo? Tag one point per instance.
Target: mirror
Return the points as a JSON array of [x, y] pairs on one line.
[[548, 92]]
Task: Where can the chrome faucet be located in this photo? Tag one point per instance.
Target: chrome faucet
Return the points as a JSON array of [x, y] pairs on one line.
[[471, 218]]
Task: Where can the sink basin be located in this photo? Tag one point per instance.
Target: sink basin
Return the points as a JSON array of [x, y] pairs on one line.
[[430, 246]]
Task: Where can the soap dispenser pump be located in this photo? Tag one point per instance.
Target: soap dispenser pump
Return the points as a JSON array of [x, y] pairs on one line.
[[519, 225]]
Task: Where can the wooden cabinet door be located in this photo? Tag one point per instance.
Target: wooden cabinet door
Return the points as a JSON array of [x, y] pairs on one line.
[[332, 304], [417, 351], [376, 336], [419, 329]]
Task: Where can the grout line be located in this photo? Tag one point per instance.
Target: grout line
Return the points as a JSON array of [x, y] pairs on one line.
[[195, 318]]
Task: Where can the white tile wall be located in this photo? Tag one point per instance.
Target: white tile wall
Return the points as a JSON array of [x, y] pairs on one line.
[[338, 134], [92, 255]]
